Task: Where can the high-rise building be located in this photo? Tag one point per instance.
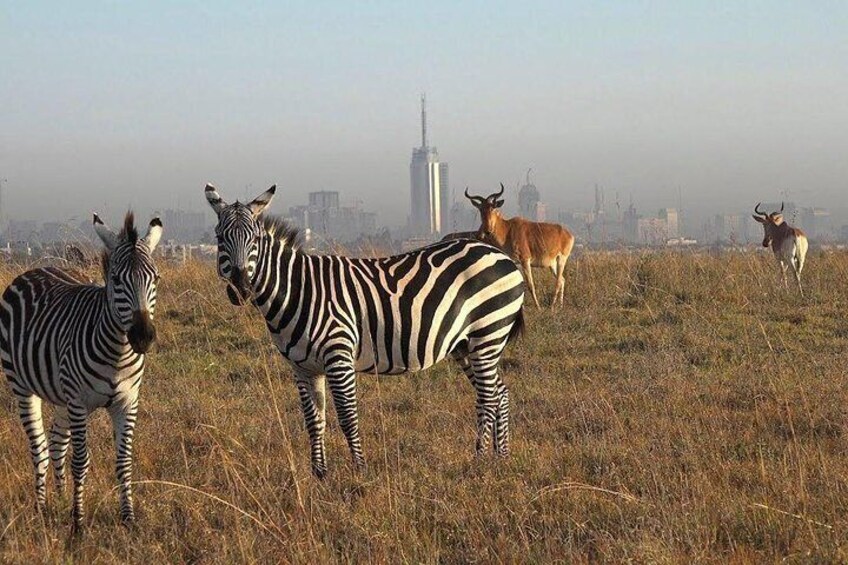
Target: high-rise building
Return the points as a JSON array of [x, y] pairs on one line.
[[429, 212], [324, 212], [672, 221], [528, 199]]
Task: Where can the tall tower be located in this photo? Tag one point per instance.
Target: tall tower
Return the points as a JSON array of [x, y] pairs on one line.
[[528, 200], [429, 213]]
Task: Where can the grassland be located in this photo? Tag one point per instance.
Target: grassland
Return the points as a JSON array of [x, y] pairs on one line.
[[679, 408]]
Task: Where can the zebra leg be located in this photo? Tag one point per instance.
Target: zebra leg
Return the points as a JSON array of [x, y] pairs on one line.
[[80, 461], [123, 427], [29, 409], [342, 381], [313, 402], [489, 387], [60, 438], [501, 433], [499, 422]]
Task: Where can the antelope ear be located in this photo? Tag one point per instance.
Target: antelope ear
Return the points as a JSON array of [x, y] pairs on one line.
[[262, 201], [759, 219], [499, 203], [214, 199], [777, 219], [154, 234], [107, 236]]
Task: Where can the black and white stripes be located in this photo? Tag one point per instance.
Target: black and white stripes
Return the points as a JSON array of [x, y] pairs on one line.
[[81, 346], [332, 317]]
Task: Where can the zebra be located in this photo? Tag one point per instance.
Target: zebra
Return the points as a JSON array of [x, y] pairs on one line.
[[332, 317], [81, 346]]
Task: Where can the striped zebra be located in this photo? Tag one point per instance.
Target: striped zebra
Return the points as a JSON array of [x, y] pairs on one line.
[[81, 346], [332, 317]]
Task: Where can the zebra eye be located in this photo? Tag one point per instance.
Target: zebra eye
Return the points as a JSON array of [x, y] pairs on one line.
[[116, 279]]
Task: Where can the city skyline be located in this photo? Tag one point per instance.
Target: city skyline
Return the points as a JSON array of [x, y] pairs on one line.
[[141, 105]]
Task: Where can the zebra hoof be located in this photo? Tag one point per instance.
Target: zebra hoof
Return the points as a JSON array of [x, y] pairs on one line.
[[77, 530], [319, 472], [128, 521]]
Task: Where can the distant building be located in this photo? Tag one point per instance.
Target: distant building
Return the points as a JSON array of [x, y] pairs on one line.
[[672, 220], [630, 224], [730, 228], [323, 213], [528, 200], [298, 217], [540, 212], [324, 199], [464, 217], [652, 231], [324, 220], [815, 222], [429, 188], [184, 226]]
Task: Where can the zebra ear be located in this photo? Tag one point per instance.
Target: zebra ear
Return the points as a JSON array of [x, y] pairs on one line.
[[109, 238], [214, 199], [154, 234], [262, 201]]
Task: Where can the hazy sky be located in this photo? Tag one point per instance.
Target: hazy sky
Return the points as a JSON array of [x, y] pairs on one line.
[[108, 104]]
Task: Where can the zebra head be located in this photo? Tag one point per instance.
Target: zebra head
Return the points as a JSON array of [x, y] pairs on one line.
[[238, 232], [131, 278]]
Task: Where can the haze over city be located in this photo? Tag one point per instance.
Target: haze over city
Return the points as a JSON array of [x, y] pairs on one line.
[[108, 105]]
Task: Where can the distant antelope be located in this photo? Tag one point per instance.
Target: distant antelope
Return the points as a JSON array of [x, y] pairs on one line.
[[788, 244], [532, 244]]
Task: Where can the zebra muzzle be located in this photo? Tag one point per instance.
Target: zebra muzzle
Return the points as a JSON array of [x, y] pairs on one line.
[[142, 332], [238, 287]]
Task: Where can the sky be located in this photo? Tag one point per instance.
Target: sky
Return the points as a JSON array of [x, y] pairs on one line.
[[105, 105]]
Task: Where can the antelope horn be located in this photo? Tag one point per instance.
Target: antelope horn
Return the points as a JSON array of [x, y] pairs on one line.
[[781, 206], [757, 209], [494, 196], [474, 199]]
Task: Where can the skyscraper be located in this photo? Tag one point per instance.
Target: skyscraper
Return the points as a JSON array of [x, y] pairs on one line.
[[528, 200], [429, 212]]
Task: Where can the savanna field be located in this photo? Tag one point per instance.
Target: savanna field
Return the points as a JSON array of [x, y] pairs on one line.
[[680, 408]]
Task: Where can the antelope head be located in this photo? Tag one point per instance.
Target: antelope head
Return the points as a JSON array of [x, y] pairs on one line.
[[489, 213], [770, 222]]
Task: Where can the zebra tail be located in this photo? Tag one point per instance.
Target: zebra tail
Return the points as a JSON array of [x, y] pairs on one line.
[[518, 327]]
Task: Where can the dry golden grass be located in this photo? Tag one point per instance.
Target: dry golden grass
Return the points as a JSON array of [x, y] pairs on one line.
[[680, 408]]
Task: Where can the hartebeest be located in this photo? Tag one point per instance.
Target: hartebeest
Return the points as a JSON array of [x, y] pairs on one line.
[[788, 244], [531, 244]]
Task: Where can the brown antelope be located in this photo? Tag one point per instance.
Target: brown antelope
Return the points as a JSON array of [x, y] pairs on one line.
[[788, 244], [531, 244]]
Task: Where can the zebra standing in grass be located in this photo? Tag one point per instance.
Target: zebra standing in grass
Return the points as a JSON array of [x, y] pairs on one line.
[[81, 346], [332, 317]]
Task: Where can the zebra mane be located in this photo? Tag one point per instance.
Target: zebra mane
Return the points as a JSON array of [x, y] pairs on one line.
[[280, 230], [128, 233]]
